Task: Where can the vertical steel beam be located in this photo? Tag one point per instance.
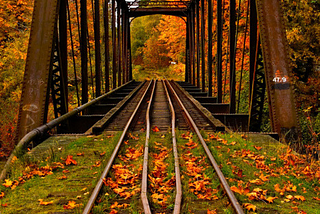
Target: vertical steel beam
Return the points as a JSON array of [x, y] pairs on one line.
[[127, 46], [192, 23], [32, 111], [232, 35], [84, 51], [126, 49], [106, 43], [129, 52], [253, 42], [219, 51], [114, 48], [187, 50], [63, 46], [278, 74], [198, 42], [119, 41], [97, 46], [123, 51], [210, 48], [203, 61]]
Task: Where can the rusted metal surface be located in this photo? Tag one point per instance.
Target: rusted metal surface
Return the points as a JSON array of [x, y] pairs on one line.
[[144, 183], [253, 42], [114, 48], [106, 38], [178, 198], [118, 45], [84, 51], [97, 46], [275, 52], [32, 112], [232, 36], [219, 50], [209, 57], [203, 63], [151, 11], [198, 41]]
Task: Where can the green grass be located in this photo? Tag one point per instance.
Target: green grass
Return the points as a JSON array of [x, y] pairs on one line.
[[80, 180], [279, 170]]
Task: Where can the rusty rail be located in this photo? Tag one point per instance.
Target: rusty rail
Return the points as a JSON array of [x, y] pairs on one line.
[[177, 204], [144, 183], [222, 179], [97, 189]]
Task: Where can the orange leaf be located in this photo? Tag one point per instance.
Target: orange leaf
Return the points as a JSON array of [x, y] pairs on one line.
[[7, 183], [256, 181], [115, 205], [257, 147], [71, 205], [299, 197], [271, 199], [70, 160], [211, 212], [2, 195], [102, 154], [250, 206], [80, 154], [155, 129], [289, 197], [316, 198], [4, 205], [45, 203], [264, 178], [113, 212], [63, 177]]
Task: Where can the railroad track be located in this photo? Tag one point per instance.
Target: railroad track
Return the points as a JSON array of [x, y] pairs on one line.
[[158, 106]]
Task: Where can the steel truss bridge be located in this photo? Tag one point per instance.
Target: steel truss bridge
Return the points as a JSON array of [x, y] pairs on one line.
[[52, 51]]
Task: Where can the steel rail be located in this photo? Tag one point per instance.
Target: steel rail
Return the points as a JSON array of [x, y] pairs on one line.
[[144, 182], [40, 131], [177, 204], [222, 179], [97, 189]]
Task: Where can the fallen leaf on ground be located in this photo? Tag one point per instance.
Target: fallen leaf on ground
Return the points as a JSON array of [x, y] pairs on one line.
[[271, 199], [71, 205], [257, 147], [70, 160], [7, 183], [250, 206], [299, 197], [62, 177], [211, 212], [155, 129], [45, 203]]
